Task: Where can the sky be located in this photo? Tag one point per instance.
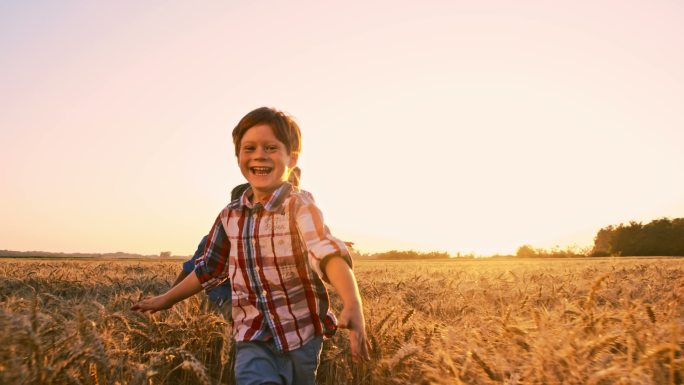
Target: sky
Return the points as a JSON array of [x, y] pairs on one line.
[[457, 126]]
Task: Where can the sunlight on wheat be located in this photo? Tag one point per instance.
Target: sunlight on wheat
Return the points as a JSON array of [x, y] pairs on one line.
[[603, 321]]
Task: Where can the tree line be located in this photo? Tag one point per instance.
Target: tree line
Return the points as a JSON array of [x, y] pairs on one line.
[[401, 255], [659, 237], [49, 254]]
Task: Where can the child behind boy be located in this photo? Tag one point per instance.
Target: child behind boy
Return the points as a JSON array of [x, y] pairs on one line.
[[274, 247]]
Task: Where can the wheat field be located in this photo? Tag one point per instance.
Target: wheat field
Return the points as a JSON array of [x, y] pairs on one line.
[[574, 321]]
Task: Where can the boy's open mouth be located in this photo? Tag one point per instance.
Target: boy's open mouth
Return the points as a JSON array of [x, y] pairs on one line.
[[261, 170]]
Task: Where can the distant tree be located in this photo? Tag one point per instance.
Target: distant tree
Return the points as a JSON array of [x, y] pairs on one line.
[[628, 239], [603, 242], [526, 251]]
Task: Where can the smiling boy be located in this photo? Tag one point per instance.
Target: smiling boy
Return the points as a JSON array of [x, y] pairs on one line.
[[274, 247]]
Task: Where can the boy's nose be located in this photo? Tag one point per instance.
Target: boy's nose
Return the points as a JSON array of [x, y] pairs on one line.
[[260, 153]]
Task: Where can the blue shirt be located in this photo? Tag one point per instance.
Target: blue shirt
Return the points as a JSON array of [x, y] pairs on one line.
[[217, 295]]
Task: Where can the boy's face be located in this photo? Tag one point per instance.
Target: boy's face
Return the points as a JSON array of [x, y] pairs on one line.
[[264, 160]]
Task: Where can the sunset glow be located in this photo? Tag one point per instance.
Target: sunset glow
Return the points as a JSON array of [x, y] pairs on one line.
[[458, 126]]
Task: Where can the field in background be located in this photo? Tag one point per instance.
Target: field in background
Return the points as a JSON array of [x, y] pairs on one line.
[[588, 321]]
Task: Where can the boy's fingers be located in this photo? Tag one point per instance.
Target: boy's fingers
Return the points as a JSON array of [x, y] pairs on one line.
[[141, 305], [360, 348], [365, 349], [354, 350]]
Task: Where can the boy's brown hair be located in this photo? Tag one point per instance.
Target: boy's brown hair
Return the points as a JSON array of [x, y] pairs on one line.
[[283, 125]]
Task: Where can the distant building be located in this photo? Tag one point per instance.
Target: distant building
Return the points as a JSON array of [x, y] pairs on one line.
[[165, 254]]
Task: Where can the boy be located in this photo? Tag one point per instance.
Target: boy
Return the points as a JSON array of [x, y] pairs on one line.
[[274, 247]]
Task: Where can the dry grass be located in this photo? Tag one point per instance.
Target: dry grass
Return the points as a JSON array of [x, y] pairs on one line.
[[607, 321]]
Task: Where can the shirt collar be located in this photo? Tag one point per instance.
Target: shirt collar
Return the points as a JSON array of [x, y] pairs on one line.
[[273, 203]]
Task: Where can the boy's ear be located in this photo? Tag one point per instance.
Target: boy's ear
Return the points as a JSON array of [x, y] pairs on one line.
[[293, 160]]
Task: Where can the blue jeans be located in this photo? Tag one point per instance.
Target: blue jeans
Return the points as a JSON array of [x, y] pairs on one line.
[[258, 362]]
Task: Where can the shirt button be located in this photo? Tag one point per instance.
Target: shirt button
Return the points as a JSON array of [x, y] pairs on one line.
[[258, 268], [263, 293]]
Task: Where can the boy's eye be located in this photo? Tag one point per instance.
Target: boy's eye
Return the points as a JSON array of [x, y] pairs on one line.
[[248, 148], [271, 148]]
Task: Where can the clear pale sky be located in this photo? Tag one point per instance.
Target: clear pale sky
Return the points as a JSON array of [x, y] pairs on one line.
[[458, 126]]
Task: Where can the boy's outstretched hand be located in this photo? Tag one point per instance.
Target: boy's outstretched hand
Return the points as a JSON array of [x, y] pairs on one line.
[[352, 319], [181, 290], [152, 304]]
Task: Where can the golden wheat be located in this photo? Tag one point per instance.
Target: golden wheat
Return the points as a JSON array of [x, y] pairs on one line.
[[575, 321]]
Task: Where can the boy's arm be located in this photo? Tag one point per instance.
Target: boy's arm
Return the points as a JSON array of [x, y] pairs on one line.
[[343, 280], [186, 288], [208, 270], [180, 278], [330, 258]]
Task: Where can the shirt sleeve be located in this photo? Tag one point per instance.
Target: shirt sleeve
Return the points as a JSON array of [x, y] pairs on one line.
[[320, 243], [211, 267]]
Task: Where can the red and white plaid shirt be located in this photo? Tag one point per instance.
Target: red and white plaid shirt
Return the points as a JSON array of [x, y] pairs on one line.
[[274, 255]]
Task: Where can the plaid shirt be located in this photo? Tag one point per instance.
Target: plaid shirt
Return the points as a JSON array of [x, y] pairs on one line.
[[275, 256]]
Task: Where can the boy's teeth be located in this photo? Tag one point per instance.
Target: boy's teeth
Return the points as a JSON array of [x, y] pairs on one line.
[[261, 170]]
